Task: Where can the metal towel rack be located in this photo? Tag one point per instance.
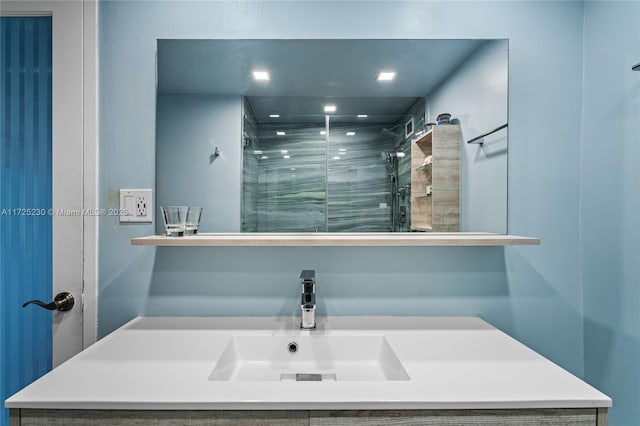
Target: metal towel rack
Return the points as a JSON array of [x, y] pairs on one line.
[[479, 138]]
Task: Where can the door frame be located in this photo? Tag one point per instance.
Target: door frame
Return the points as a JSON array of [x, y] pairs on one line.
[[75, 164]]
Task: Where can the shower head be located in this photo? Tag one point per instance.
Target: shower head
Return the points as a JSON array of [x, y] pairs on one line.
[[390, 134]]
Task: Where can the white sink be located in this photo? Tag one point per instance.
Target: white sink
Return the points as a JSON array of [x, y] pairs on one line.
[[315, 357]]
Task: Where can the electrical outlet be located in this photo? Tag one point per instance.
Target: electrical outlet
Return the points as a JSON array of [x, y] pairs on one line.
[[136, 205], [141, 206]]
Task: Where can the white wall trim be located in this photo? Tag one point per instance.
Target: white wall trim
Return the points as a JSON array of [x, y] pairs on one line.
[[90, 171], [75, 163]]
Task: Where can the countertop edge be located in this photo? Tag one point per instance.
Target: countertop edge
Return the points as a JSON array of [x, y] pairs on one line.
[[297, 406]]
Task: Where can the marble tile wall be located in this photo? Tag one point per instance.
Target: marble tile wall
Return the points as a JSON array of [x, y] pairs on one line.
[[359, 184], [291, 179], [290, 194], [295, 182]]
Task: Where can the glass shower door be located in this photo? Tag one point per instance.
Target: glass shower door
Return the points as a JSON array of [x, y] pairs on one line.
[[284, 174]]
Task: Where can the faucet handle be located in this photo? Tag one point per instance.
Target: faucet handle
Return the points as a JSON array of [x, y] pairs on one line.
[[308, 275]]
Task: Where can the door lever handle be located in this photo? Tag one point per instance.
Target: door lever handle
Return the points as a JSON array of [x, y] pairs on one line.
[[62, 302]]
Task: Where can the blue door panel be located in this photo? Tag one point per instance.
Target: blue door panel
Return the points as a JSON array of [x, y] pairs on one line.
[[25, 200]]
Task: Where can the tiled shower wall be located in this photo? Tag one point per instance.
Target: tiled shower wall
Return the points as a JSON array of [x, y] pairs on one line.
[[290, 192], [359, 185], [294, 170]]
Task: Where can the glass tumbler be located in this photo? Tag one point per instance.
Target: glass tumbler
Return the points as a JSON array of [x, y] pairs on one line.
[[175, 219], [193, 220]]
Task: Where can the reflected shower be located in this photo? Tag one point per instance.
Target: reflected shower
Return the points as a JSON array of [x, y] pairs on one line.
[[398, 212], [389, 133]]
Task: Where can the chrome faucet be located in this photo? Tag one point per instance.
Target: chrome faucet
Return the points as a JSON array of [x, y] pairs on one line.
[[308, 302]]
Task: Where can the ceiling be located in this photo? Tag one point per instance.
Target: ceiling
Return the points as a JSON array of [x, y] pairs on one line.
[[307, 74]]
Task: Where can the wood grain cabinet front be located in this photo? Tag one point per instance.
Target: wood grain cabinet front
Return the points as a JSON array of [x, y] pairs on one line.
[[435, 180], [497, 417]]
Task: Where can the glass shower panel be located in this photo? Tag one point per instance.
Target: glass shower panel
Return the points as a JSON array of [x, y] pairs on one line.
[[284, 176], [327, 173], [359, 176]]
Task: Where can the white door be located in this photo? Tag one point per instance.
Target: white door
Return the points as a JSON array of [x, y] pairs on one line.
[[74, 168]]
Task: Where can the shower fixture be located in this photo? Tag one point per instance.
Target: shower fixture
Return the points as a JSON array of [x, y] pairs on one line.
[[390, 156], [391, 135], [398, 212]]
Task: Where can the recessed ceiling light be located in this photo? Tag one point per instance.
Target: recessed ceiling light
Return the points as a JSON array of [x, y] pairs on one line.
[[274, 115], [336, 157], [280, 133], [284, 151], [286, 156], [362, 115], [329, 108], [264, 157], [261, 75], [351, 133], [323, 132], [399, 154], [342, 150], [386, 76], [257, 152]]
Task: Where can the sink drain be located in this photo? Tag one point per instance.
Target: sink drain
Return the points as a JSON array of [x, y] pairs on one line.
[[292, 347], [308, 377]]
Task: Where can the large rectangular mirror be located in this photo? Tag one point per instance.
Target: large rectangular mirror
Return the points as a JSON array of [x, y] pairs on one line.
[[312, 136]]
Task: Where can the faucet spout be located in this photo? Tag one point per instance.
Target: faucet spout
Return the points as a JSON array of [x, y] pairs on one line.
[[308, 299]]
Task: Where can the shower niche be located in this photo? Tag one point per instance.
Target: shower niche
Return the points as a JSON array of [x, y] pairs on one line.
[[435, 180]]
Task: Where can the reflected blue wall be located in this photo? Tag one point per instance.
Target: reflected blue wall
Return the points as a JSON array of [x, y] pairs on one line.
[[533, 293], [477, 92], [189, 129]]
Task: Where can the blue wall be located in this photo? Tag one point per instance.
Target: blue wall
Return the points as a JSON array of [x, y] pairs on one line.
[[477, 95], [189, 129], [611, 204], [533, 293]]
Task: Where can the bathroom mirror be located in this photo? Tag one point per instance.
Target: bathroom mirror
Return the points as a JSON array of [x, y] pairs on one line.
[[313, 136]]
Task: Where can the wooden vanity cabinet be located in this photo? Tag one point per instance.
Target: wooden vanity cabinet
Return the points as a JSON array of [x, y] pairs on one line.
[[502, 417]]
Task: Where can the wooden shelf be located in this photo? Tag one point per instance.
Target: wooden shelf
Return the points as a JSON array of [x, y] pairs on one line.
[[425, 138], [336, 239], [424, 168]]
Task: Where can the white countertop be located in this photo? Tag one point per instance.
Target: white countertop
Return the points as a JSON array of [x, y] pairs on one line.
[[165, 363]]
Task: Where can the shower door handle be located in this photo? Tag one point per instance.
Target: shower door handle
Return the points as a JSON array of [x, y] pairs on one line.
[[62, 302]]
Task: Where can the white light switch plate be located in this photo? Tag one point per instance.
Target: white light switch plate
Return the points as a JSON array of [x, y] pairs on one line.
[[136, 205]]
